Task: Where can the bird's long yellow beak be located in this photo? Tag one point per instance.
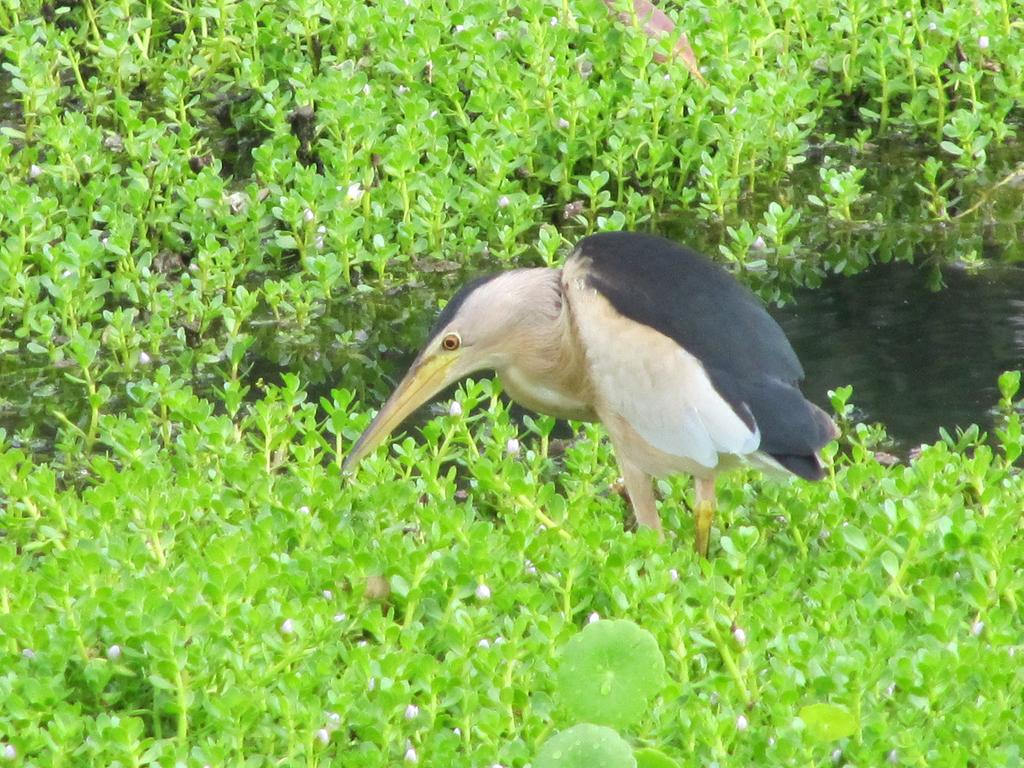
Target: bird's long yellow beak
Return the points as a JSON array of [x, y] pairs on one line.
[[426, 378]]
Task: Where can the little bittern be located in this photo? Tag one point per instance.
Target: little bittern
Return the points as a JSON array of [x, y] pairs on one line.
[[681, 363]]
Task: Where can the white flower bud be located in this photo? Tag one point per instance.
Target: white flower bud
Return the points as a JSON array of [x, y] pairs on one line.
[[355, 193]]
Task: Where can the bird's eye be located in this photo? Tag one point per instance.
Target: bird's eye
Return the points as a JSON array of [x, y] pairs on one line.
[[451, 342]]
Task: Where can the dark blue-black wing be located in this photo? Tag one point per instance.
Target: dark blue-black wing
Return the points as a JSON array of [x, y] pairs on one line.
[[700, 306]]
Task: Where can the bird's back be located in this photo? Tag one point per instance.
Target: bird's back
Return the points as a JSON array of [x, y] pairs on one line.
[[701, 307]]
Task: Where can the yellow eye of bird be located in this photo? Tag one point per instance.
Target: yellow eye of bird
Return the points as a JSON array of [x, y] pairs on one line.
[[451, 342]]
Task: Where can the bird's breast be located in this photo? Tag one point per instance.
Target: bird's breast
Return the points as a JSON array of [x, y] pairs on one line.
[[554, 397]]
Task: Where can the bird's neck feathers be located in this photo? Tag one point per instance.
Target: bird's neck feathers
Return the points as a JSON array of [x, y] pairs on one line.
[[534, 316], [544, 367]]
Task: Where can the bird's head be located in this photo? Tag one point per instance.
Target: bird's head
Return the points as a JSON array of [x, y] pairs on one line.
[[488, 322]]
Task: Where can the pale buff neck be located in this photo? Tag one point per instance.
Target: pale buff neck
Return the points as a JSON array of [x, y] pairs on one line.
[[546, 370]]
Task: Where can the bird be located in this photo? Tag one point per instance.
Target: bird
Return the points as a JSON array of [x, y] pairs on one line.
[[680, 362]]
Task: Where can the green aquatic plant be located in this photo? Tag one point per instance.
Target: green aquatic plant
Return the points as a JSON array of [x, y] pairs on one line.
[[828, 722], [609, 673], [584, 746], [653, 758], [217, 217]]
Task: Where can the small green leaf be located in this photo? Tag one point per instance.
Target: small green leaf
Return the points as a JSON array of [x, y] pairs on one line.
[[854, 537], [585, 746], [609, 672], [653, 758], [828, 722], [890, 563], [161, 683], [1009, 384]]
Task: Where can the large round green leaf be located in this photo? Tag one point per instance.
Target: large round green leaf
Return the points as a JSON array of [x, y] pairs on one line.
[[609, 673], [585, 746]]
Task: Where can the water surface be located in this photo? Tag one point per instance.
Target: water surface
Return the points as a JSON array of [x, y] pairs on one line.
[[918, 358]]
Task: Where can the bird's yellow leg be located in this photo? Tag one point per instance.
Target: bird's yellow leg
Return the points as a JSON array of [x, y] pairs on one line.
[[704, 513]]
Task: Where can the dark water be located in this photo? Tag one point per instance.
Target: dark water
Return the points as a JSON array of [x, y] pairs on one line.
[[918, 358]]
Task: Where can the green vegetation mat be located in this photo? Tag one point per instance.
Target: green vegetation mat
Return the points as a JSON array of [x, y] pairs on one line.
[[218, 221]]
